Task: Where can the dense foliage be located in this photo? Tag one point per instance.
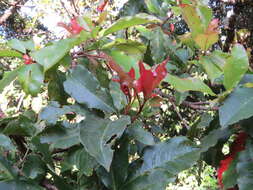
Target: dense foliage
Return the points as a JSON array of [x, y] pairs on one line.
[[130, 103]]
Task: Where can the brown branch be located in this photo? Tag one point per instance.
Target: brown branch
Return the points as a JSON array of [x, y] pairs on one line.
[[11, 10], [193, 105]]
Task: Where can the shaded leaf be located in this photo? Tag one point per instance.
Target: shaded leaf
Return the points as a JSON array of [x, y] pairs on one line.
[[118, 97], [137, 132], [6, 143], [236, 107], [97, 136], [85, 89], [34, 168]]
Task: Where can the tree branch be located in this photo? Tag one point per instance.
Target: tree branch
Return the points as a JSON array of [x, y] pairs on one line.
[[193, 105], [11, 10]]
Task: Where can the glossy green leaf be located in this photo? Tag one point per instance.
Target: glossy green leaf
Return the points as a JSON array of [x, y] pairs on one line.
[[118, 97], [126, 22], [10, 53], [212, 70], [6, 143], [85, 89], [137, 132], [98, 135], [161, 163], [19, 185], [8, 78], [236, 107], [130, 47], [235, 67], [52, 54], [31, 78], [188, 84], [21, 45]]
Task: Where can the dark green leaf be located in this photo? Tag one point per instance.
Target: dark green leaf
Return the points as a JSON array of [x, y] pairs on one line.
[[6, 167], [126, 22], [229, 177], [157, 45], [237, 106], [137, 132], [161, 163], [244, 168], [31, 78], [19, 185], [34, 168], [85, 89], [82, 161], [98, 135], [118, 97]]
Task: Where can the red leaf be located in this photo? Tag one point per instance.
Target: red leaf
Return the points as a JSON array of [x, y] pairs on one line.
[[75, 27], [101, 7], [28, 60]]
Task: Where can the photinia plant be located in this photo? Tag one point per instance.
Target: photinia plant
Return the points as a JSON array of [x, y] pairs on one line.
[[128, 105]]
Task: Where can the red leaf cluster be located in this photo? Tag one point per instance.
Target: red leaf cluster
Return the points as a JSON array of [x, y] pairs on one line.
[[150, 79], [73, 27], [27, 59], [237, 146]]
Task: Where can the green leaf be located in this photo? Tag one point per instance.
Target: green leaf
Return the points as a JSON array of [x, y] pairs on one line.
[[244, 168], [137, 132], [212, 138], [21, 126], [126, 22], [52, 54], [6, 143], [6, 167], [60, 136], [97, 136], [10, 53], [126, 62], [119, 167], [85, 89], [19, 185], [229, 177], [82, 161], [153, 6], [157, 45], [193, 20], [187, 84], [54, 111], [130, 47], [118, 97], [21, 45], [161, 163], [236, 107], [34, 168], [235, 67], [8, 78], [31, 78], [211, 68]]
